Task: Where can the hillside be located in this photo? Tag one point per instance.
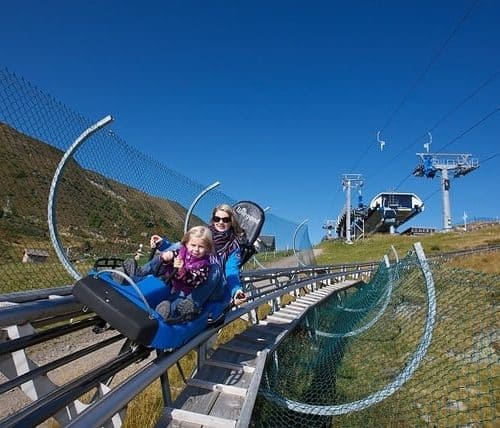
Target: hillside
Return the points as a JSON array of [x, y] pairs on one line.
[[94, 214], [376, 246]]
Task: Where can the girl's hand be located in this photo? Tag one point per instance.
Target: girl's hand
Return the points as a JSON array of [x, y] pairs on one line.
[[178, 263], [239, 298], [155, 240], [166, 256]]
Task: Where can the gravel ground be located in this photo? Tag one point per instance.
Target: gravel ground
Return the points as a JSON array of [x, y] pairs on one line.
[[15, 399]]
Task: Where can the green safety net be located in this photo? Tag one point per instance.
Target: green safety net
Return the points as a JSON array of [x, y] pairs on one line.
[[383, 354], [111, 197]]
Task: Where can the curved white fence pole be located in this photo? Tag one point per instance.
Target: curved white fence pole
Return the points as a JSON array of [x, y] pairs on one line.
[[193, 204], [398, 382], [293, 241], [259, 264], [395, 253], [51, 208]]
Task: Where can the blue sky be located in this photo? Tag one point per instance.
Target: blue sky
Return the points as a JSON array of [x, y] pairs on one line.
[[283, 97]]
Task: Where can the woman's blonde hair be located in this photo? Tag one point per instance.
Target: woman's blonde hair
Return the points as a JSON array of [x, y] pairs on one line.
[[229, 211], [201, 232]]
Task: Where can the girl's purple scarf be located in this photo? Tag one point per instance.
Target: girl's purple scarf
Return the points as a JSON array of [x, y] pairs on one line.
[[190, 263]]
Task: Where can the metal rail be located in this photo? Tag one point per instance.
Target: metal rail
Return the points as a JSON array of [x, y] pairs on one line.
[[267, 287], [263, 286]]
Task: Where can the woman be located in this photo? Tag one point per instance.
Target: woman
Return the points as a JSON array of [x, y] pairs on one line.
[[226, 235]]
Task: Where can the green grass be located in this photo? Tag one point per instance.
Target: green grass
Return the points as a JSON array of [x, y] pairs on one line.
[[445, 375], [376, 246], [458, 381]]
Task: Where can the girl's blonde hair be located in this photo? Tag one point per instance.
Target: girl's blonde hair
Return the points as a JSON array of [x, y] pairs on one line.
[[229, 211], [201, 232]]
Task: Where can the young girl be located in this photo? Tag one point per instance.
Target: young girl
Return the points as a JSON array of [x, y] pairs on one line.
[[185, 269], [188, 268]]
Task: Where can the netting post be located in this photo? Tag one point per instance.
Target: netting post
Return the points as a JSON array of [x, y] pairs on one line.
[[51, 208], [395, 253], [399, 380], [195, 201], [386, 261], [293, 241]]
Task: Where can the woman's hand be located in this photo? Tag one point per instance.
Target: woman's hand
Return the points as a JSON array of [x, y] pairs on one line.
[[155, 240], [239, 298]]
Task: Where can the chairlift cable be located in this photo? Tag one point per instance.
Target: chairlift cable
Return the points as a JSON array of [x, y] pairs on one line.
[[433, 59]]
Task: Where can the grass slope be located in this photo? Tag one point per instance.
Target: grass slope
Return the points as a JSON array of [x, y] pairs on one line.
[[376, 246]]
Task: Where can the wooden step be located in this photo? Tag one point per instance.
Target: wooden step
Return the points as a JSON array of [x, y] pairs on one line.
[[292, 310], [219, 387], [252, 338], [180, 415], [279, 320], [283, 314], [239, 349], [230, 366]]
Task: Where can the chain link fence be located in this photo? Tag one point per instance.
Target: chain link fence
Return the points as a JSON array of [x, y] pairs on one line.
[[110, 198]]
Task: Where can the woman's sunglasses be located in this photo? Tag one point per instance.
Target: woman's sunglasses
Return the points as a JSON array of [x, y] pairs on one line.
[[223, 219]]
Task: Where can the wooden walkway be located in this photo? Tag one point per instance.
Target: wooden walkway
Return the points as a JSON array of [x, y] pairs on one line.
[[222, 394]]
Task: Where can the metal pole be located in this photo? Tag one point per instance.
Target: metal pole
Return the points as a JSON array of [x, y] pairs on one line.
[[51, 208], [348, 213], [293, 241], [445, 187], [193, 204]]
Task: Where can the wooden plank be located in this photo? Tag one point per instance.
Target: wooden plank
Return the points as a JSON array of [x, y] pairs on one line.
[[240, 378], [288, 314], [309, 296], [201, 400], [310, 299], [165, 420], [196, 399], [285, 315], [199, 418], [267, 326], [230, 366], [239, 348], [292, 309], [276, 338], [260, 334], [227, 406], [273, 324], [278, 320], [322, 293], [246, 410], [300, 305], [233, 357], [247, 336], [220, 387]]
